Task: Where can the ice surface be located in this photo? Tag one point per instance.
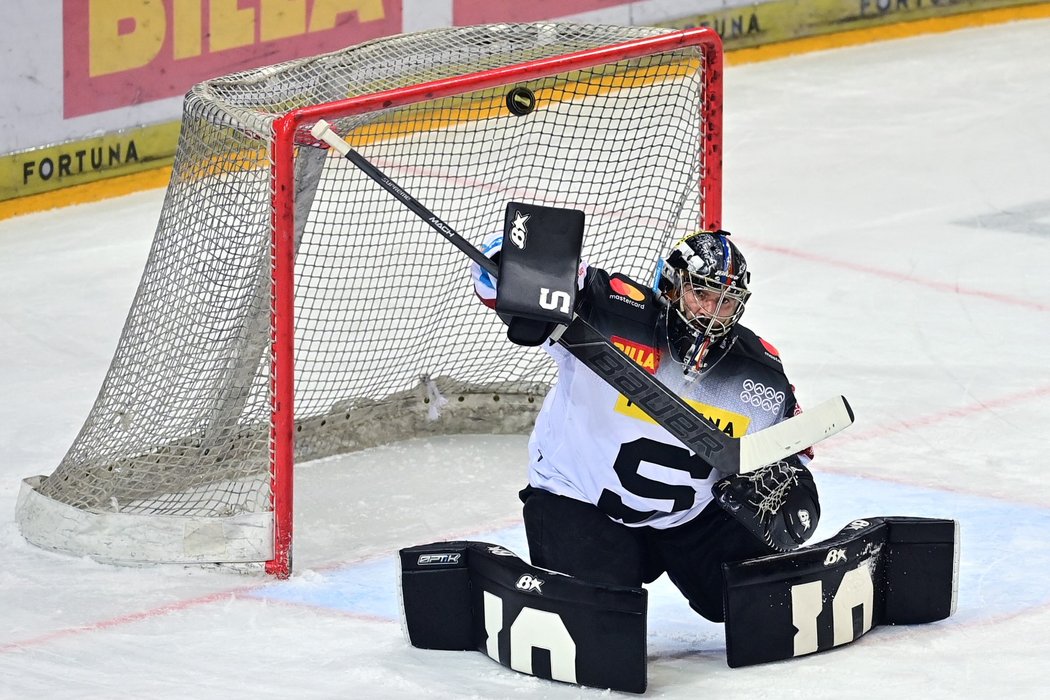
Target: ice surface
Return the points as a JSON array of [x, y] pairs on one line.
[[894, 203]]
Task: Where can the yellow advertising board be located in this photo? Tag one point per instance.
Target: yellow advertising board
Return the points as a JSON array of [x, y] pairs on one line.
[[786, 20], [74, 163]]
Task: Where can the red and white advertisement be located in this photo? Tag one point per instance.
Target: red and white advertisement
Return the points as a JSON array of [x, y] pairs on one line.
[[466, 12], [117, 54]]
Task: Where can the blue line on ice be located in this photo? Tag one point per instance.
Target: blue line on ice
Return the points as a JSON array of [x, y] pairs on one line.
[[1004, 563]]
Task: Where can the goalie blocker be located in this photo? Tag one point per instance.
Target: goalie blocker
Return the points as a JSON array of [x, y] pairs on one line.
[[538, 266], [875, 571]]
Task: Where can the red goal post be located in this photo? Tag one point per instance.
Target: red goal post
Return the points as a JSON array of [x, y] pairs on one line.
[[626, 125]]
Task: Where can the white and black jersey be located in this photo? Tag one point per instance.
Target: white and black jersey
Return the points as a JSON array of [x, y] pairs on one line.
[[592, 444]]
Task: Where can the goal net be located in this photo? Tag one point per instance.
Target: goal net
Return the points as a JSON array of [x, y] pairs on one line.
[[290, 309]]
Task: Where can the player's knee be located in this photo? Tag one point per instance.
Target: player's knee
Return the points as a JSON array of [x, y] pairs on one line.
[[704, 595], [712, 610], [577, 539]]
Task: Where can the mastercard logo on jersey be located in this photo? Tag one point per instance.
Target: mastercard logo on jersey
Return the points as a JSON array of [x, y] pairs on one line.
[[771, 351], [625, 291], [646, 356]]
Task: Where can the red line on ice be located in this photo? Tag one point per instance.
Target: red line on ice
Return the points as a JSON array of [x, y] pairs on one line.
[[901, 277]]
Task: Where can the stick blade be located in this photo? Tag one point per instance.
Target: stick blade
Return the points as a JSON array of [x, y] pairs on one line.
[[795, 434]]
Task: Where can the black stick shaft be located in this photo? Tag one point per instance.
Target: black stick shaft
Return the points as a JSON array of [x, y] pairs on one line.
[[421, 211]]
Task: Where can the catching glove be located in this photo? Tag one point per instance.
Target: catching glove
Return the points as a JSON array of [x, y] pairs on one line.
[[777, 503]]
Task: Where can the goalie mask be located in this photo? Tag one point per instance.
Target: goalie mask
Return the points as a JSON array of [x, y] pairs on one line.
[[703, 285]]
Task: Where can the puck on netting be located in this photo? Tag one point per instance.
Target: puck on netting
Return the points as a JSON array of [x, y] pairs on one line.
[[521, 101]]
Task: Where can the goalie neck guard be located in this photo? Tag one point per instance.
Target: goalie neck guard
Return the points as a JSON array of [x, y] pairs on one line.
[[702, 283]]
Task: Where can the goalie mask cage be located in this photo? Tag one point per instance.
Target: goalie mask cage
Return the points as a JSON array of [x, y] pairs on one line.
[[267, 243]]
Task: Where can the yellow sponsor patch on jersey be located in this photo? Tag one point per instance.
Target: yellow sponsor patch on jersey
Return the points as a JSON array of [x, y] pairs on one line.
[[729, 422], [646, 356]]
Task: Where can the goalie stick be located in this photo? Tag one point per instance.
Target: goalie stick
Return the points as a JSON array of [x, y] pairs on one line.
[[726, 454]]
